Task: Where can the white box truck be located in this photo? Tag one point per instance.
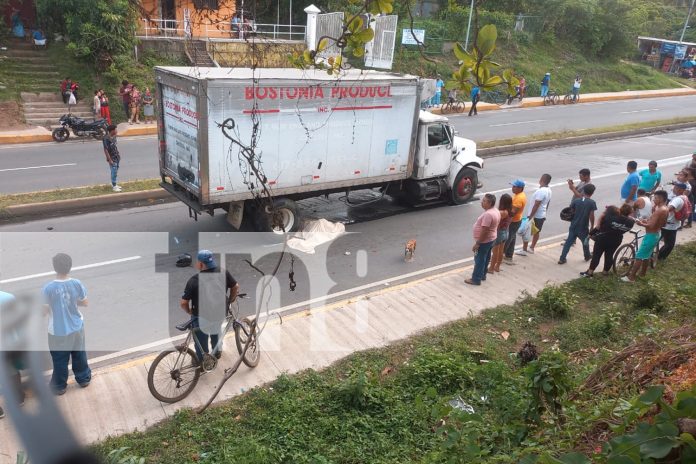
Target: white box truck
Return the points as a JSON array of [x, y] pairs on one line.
[[316, 134]]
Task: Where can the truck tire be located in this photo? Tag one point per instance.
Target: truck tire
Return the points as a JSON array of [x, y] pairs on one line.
[[464, 186], [286, 211]]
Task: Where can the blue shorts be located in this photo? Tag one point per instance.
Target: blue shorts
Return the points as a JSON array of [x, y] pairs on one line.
[[647, 245]]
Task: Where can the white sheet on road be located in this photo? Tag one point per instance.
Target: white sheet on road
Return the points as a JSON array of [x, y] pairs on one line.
[[315, 233]]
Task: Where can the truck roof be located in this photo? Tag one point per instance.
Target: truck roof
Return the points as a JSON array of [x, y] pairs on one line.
[[201, 73], [427, 117]]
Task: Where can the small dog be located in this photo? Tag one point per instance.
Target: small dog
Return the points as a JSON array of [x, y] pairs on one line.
[[410, 250]]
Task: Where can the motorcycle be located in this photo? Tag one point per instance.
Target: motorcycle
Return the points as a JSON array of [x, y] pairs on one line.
[[81, 128]]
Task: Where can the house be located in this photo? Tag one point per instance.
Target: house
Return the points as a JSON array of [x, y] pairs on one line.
[[193, 18]]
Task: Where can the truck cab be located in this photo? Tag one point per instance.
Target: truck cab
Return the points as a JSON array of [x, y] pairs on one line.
[[445, 165]]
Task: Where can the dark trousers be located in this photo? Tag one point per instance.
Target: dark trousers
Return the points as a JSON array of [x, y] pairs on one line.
[[572, 236], [605, 246], [126, 109], [481, 260], [63, 350], [512, 238], [670, 239], [474, 102], [204, 331], [13, 361]]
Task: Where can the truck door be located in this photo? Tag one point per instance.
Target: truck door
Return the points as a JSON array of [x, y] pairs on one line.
[[438, 150]]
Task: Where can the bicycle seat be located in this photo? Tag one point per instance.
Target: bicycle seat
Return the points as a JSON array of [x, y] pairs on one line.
[[184, 326]]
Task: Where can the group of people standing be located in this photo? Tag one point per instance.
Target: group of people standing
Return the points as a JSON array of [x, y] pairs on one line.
[[662, 212], [134, 101]]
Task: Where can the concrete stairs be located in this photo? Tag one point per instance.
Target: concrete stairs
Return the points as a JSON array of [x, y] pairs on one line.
[[34, 75], [197, 53], [46, 108]]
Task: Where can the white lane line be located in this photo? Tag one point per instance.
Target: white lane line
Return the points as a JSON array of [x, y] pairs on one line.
[[122, 140], [39, 167], [677, 160], [640, 111], [322, 299], [77, 268], [516, 123]]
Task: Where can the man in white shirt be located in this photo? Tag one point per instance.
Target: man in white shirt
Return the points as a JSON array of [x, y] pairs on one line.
[[669, 231], [537, 212]]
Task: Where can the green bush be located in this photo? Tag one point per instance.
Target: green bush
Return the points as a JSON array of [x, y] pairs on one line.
[[648, 297], [554, 302]]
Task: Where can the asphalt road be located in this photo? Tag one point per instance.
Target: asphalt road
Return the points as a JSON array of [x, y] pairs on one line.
[[45, 166], [130, 253]]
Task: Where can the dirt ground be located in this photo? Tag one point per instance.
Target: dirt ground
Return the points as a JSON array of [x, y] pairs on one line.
[[11, 116]]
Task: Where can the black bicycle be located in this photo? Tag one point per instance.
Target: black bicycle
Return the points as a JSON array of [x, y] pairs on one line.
[[571, 98], [175, 372], [625, 255], [453, 106], [551, 98]]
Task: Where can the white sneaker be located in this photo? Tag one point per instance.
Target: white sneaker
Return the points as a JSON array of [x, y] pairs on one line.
[[530, 251], [521, 253], [116, 188], [626, 279]]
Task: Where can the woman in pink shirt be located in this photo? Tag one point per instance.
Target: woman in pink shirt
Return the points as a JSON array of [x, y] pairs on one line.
[[485, 233]]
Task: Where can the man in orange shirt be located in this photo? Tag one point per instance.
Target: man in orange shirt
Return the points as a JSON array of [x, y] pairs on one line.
[[519, 202]]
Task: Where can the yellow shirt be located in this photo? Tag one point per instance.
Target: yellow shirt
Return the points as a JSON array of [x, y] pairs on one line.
[[519, 201]]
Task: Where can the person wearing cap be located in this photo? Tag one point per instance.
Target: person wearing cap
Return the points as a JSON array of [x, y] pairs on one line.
[[206, 298], [669, 230], [519, 202], [650, 178], [545, 83]]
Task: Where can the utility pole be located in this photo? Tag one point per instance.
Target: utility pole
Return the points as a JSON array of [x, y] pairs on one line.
[[471, 12], [686, 23]]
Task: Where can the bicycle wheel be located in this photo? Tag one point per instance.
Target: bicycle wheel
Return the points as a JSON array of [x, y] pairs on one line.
[[242, 332], [446, 108], [624, 258], [568, 99], [556, 99], [459, 107], [655, 253], [173, 374], [548, 100]]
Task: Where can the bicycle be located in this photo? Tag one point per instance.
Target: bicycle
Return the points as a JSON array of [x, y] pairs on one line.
[[551, 98], [453, 106], [179, 368], [493, 96], [570, 99], [625, 255]]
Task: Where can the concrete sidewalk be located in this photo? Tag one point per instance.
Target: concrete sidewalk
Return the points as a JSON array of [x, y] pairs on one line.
[[118, 400], [531, 102], [40, 134]]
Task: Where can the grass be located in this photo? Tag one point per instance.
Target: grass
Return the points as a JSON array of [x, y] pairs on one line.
[[391, 404], [74, 193], [592, 131]]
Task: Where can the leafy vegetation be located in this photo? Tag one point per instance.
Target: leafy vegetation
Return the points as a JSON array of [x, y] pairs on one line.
[[460, 394]]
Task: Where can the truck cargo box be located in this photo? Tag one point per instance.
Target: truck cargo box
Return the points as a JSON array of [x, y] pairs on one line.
[[316, 132]]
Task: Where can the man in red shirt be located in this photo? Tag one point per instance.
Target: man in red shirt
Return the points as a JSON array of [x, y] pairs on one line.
[[125, 93], [485, 233]]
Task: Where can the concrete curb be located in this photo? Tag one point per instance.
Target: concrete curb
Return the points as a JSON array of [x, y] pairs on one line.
[[36, 135], [533, 102], [505, 150], [77, 204]]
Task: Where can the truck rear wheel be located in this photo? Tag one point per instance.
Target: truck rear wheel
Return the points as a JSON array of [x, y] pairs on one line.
[[286, 217], [464, 186]]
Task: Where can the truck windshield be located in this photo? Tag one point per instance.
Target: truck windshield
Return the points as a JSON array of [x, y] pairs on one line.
[[438, 135]]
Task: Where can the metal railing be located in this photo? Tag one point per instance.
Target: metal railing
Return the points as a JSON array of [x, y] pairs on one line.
[[222, 30]]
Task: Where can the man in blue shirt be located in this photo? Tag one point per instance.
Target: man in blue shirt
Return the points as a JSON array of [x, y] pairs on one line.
[[437, 98], [545, 82], [650, 178], [475, 95], [630, 185], [66, 334]]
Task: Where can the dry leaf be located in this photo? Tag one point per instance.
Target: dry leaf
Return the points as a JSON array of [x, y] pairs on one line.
[[505, 335]]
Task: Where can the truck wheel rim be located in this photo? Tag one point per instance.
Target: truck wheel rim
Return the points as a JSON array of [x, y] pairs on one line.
[[287, 218], [464, 187]]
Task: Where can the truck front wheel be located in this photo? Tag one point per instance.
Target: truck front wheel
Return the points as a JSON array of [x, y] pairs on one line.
[[284, 217], [464, 186]]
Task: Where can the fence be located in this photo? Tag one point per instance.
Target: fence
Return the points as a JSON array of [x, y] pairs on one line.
[[170, 28]]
